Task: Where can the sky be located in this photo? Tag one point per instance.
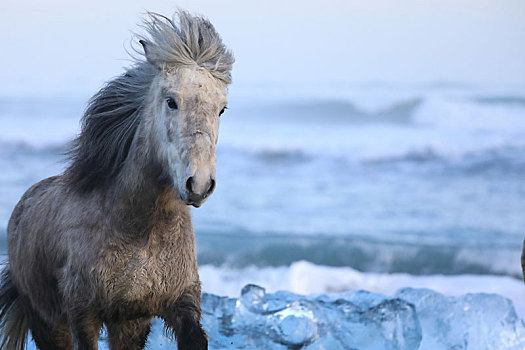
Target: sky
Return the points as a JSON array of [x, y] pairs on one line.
[[57, 46]]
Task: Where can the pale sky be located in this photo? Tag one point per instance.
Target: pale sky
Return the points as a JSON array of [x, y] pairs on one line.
[[57, 46]]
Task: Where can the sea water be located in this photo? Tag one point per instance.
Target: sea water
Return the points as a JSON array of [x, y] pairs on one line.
[[374, 181]]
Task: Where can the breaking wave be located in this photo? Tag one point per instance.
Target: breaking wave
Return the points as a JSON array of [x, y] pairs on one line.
[[362, 253]]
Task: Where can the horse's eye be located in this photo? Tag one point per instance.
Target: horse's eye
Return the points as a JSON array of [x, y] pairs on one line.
[[222, 111], [171, 103]]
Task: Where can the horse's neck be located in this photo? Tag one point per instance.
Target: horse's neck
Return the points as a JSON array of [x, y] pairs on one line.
[[140, 194]]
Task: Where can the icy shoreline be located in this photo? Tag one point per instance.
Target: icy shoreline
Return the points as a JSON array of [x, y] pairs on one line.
[[303, 277], [410, 319]]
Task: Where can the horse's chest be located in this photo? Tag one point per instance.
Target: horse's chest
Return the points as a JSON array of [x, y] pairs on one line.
[[153, 274]]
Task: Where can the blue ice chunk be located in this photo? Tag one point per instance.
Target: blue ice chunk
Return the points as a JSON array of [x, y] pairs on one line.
[[286, 320], [471, 321]]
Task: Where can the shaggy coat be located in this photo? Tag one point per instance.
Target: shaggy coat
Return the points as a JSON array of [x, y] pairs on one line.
[[110, 241]]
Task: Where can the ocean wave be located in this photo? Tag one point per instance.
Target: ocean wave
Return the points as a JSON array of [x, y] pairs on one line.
[[498, 160], [18, 147], [364, 254], [506, 160], [512, 100], [489, 114], [341, 111], [423, 129]]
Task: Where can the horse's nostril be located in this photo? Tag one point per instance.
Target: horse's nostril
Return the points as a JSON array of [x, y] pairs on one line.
[[193, 191], [189, 184], [212, 187]]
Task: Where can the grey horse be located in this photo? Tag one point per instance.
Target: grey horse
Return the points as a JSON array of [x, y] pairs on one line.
[[110, 241]]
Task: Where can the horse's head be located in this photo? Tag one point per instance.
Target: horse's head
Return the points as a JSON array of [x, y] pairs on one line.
[[186, 99], [188, 102]]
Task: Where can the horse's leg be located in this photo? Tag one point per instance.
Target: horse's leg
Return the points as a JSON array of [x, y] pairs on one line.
[[130, 334], [183, 318], [85, 329], [42, 334], [46, 336], [62, 336]]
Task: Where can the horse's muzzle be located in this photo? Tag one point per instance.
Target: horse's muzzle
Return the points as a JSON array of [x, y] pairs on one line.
[[192, 197]]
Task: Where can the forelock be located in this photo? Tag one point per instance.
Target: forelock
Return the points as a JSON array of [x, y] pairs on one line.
[[186, 40]]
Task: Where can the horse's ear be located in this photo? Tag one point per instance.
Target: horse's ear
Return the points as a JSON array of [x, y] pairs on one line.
[[149, 53], [144, 44]]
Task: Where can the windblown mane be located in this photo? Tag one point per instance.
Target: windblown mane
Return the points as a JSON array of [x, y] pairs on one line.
[[192, 41], [113, 114], [108, 127]]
